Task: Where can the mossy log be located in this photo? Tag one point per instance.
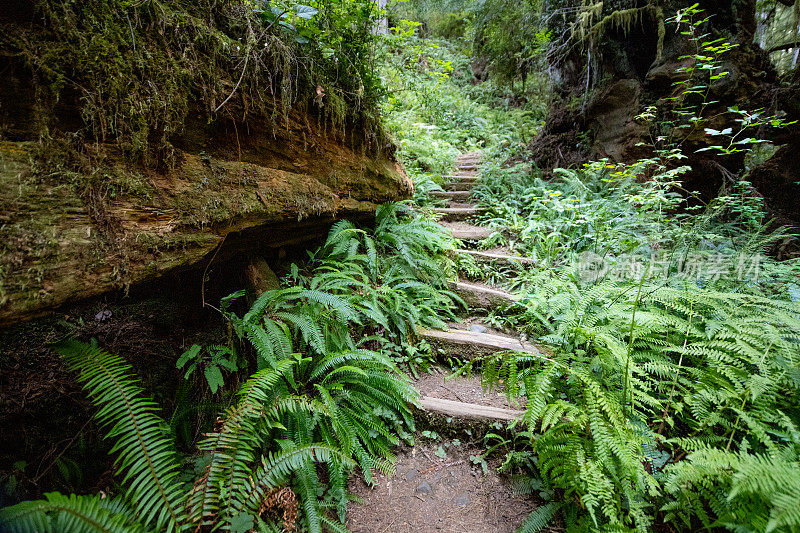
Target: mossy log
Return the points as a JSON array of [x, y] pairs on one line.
[[66, 240], [136, 139]]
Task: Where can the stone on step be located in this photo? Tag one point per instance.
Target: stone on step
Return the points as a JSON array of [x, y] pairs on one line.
[[470, 345], [423, 488], [473, 411], [452, 195], [488, 257], [467, 232], [453, 214], [462, 500], [481, 297]]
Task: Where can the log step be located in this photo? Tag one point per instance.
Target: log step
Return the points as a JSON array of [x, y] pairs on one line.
[[471, 157], [462, 178], [482, 297], [467, 232], [472, 411], [471, 344], [488, 257], [452, 195], [453, 214], [460, 186]]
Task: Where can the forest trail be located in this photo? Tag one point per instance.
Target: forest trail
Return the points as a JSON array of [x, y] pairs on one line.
[[441, 484], [470, 338]]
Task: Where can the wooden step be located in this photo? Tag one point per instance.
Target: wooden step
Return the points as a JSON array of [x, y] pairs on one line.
[[482, 297], [457, 196], [467, 232], [462, 178], [454, 214], [488, 257], [467, 166], [459, 186], [474, 411], [468, 345], [472, 157]]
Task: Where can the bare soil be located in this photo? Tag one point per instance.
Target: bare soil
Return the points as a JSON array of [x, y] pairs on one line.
[[428, 493]]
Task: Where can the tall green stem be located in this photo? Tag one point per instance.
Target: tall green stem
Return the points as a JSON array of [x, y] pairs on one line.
[[626, 386]]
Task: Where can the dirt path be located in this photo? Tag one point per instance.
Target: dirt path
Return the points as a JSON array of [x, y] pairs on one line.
[[443, 494], [436, 485]]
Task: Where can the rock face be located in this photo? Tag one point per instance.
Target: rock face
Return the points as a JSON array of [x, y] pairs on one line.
[[612, 115], [606, 81], [61, 243]]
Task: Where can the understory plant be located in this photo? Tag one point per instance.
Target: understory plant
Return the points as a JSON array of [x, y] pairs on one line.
[[320, 404], [239, 473], [662, 402]]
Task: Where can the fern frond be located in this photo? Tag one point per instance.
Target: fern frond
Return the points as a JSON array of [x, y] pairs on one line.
[[144, 451], [69, 514], [277, 466]]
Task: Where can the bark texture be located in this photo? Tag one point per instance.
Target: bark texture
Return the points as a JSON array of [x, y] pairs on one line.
[[63, 243]]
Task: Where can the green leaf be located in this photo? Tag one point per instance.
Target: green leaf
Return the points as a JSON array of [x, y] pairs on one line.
[[189, 354], [305, 12], [242, 522], [214, 377]]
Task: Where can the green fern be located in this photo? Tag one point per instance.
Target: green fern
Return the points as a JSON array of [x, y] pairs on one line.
[[145, 453], [712, 378], [74, 514], [540, 519], [238, 475]]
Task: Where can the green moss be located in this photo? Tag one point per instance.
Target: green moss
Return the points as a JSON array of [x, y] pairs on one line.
[[137, 69]]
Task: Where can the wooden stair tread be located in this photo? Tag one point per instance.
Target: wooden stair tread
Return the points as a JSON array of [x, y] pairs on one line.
[[482, 289], [482, 341], [463, 178], [468, 410], [458, 210], [482, 297], [456, 214], [490, 256], [452, 195], [460, 186], [467, 232]]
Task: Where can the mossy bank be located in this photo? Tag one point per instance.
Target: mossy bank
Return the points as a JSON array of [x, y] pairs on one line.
[[136, 138]]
